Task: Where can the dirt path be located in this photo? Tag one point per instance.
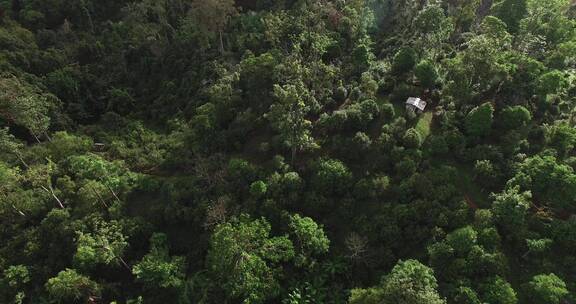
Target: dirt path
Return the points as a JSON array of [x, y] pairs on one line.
[[471, 204]]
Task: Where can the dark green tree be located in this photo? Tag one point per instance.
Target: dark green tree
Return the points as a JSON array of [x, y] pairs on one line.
[[409, 280], [515, 117], [214, 15], [331, 176], [104, 245], [24, 105], [70, 287], [478, 122], [511, 12], [310, 239], [289, 117], [496, 290], [562, 137], [426, 73], [158, 269], [547, 288], [404, 60], [245, 260], [413, 282], [510, 209], [550, 182]]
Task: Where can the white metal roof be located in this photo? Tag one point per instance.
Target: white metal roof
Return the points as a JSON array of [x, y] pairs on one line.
[[416, 102]]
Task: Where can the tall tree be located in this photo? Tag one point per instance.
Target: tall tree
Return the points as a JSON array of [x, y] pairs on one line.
[[245, 260], [551, 182], [69, 287], [104, 245], [549, 20], [434, 27], [24, 105], [289, 117], [498, 291], [214, 15], [410, 282], [426, 72], [482, 66], [547, 288], [479, 121], [511, 12], [310, 238], [510, 209], [158, 269]]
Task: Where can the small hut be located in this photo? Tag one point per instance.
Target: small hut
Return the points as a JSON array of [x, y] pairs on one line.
[[99, 147], [415, 105]]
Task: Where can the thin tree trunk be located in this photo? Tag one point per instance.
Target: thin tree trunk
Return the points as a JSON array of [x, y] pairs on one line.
[[51, 191], [18, 210], [22, 160], [122, 261], [89, 16], [125, 264], [114, 193], [16, 8], [525, 255], [36, 137], [221, 42], [99, 197], [14, 207]]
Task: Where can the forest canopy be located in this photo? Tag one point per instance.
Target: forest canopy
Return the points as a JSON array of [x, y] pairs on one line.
[[263, 151]]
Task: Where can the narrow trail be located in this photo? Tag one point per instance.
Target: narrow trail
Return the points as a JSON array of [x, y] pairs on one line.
[[471, 204]]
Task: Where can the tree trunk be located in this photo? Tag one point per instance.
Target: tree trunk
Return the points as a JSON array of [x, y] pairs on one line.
[[100, 198], [51, 191], [122, 261], [221, 42], [18, 210], [525, 255], [114, 193], [14, 206], [36, 137], [22, 160], [125, 264], [16, 7], [89, 17]]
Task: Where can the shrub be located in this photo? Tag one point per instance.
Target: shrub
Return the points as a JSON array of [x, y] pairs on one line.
[[515, 117], [331, 176], [404, 61], [426, 73], [478, 122], [388, 111], [258, 189], [412, 139]]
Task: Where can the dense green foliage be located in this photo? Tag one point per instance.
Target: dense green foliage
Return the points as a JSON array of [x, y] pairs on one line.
[[260, 151]]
